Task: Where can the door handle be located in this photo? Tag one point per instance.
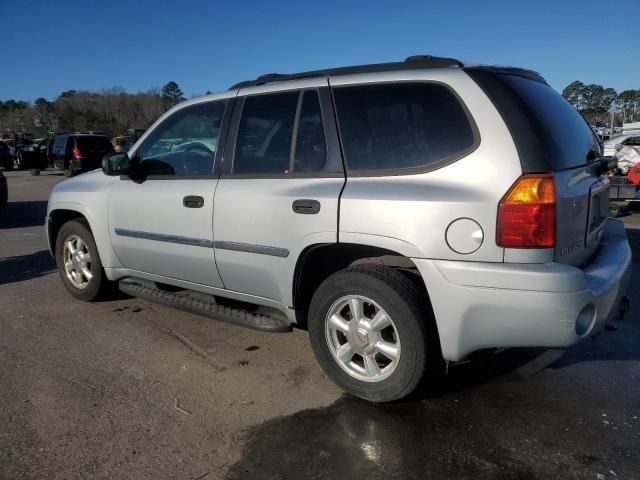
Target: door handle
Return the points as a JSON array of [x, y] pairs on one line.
[[193, 201], [306, 207]]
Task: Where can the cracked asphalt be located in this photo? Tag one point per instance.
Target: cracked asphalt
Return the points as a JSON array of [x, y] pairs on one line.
[[127, 389]]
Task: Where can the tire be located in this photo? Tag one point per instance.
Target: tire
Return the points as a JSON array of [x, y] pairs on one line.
[[412, 332], [98, 285], [68, 171]]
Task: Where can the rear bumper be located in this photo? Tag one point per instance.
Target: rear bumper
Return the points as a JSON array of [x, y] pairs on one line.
[[486, 305], [85, 164]]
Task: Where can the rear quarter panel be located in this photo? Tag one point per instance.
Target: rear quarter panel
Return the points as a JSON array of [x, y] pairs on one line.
[[410, 213]]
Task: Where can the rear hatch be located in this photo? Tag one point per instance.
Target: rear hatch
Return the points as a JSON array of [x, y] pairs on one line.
[[93, 147], [551, 136]]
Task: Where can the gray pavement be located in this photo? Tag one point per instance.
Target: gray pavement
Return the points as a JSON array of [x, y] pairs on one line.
[[128, 389]]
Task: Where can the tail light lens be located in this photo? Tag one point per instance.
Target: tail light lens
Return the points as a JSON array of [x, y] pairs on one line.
[[527, 213], [76, 153]]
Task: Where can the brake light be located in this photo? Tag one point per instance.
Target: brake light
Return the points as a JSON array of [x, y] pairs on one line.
[[527, 213], [76, 153]]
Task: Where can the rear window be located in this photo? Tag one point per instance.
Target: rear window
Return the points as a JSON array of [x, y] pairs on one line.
[[548, 131], [400, 126], [94, 144]]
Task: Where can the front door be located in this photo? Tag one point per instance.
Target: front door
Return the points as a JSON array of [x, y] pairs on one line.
[[279, 192], [161, 221]]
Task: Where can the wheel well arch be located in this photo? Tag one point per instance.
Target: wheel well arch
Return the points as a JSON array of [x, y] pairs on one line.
[[57, 218], [319, 261]]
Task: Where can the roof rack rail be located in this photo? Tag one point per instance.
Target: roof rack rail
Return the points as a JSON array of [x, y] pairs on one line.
[[410, 63]]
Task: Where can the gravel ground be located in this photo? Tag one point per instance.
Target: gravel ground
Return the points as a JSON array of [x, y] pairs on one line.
[[128, 389]]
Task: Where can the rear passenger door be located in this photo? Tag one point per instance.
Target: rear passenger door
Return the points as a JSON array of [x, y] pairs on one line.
[[279, 191]]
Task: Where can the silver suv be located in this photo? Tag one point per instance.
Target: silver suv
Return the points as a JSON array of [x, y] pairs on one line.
[[406, 214]]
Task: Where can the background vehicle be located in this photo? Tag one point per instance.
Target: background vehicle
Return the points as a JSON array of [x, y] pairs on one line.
[[31, 156], [407, 214], [77, 153], [6, 158], [615, 144], [4, 190]]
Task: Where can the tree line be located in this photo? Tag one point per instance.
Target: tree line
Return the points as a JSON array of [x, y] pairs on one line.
[[596, 102], [111, 111]]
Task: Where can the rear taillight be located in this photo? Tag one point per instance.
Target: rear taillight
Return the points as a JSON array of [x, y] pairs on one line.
[[76, 153], [527, 213]]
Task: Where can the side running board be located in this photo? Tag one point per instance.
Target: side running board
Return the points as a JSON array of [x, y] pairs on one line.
[[206, 305]]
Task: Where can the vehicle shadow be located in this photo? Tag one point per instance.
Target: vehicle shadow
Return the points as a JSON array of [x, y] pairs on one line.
[[521, 413], [23, 214], [26, 267]]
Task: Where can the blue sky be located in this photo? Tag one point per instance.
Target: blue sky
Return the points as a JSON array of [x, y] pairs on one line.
[[90, 45]]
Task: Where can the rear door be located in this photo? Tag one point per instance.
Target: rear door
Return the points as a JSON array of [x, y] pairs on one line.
[[551, 136], [92, 149], [282, 177]]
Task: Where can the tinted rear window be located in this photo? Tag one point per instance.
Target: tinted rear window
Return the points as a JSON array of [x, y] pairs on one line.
[[548, 131], [94, 144], [401, 126]]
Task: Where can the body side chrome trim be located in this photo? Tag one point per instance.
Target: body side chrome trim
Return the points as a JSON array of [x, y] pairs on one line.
[[250, 248], [160, 237], [202, 242]]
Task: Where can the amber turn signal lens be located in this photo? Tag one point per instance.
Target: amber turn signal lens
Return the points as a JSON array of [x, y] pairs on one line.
[[527, 213]]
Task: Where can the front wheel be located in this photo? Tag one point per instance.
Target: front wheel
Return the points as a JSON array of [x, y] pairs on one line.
[[369, 329], [78, 262]]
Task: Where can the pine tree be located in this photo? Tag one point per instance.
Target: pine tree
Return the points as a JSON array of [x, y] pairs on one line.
[[171, 95]]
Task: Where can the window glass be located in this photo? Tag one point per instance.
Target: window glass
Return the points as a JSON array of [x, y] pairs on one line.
[[59, 144], [563, 130], [311, 147], [400, 125], [264, 134], [185, 143]]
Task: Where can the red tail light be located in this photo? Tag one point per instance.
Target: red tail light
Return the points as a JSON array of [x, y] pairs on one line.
[[527, 213], [76, 153]]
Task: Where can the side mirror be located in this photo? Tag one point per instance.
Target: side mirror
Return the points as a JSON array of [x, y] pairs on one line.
[[114, 164], [618, 147]]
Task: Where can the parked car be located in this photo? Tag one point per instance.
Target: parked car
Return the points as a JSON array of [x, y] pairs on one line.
[[6, 158], [4, 190], [31, 156], [77, 153], [407, 214], [615, 144]]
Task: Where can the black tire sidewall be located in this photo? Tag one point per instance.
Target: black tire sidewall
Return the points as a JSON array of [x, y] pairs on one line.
[[407, 319], [80, 229]]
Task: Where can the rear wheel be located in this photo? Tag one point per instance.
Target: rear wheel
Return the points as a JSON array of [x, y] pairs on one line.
[[369, 330], [79, 263], [68, 171]]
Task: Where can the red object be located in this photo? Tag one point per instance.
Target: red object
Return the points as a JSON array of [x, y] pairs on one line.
[[76, 153], [527, 213], [634, 174]]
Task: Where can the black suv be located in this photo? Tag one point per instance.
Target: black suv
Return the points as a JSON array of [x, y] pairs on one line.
[[77, 153], [6, 159]]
